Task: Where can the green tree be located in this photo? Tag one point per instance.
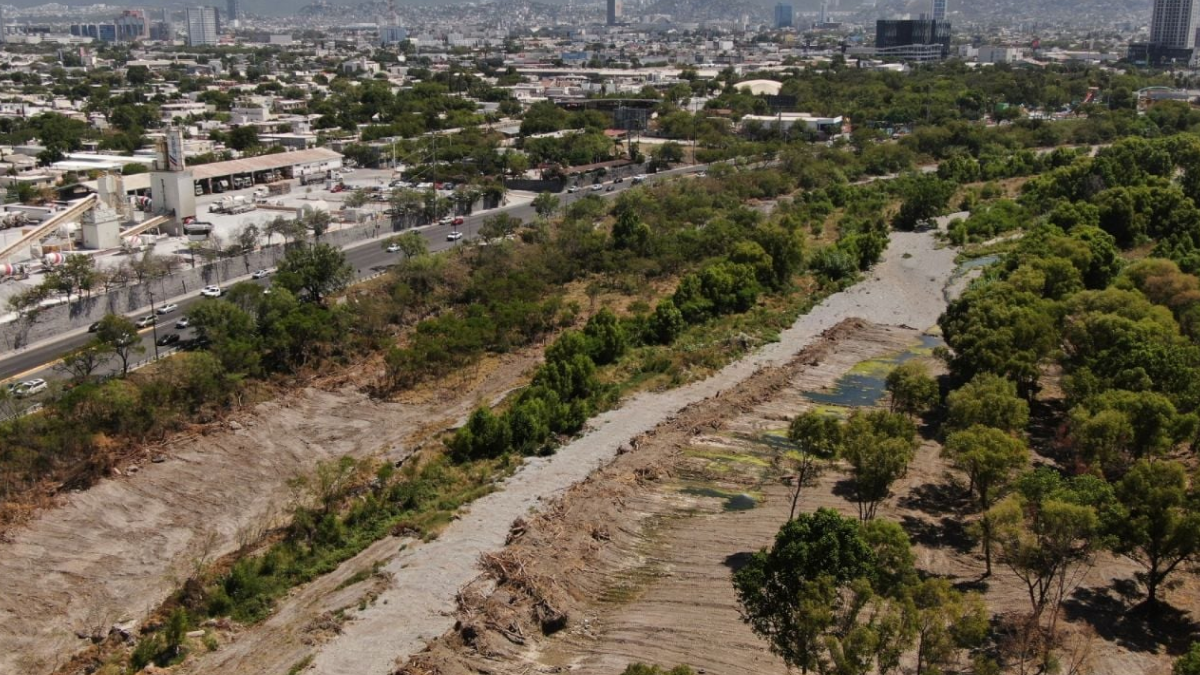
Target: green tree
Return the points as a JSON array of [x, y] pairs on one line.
[[1159, 527], [947, 622], [666, 154], [243, 138], [545, 204], [788, 593], [412, 244], [913, 390], [990, 458], [175, 632], [1116, 427], [606, 337], [816, 436], [318, 270], [878, 446], [667, 323], [1049, 529], [484, 436], [629, 232], [357, 199], [990, 400], [232, 333], [924, 197], [120, 335], [76, 276], [82, 363], [499, 226]]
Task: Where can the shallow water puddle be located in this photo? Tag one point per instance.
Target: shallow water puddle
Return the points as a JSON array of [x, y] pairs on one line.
[[866, 383]]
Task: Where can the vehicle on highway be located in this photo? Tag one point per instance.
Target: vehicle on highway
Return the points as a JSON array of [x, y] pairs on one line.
[[610, 188], [94, 327], [167, 308], [212, 291], [30, 387], [640, 178], [454, 236], [458, 220], [446, 220], [168, 339], [260, 274], [619, 179], [573, 189], [597, 187], [145, 321], [183, 323], [393, 248]]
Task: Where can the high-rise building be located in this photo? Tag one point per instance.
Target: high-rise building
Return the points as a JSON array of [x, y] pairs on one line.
[[132, 26], [1173, 24], [392, 35], [202, 26], [939, 10], [783, 16], [233, 12], [614, 12], [912, 39], [2, 35]]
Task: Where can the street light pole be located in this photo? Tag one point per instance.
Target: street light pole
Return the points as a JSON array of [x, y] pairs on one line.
[[153, 321]]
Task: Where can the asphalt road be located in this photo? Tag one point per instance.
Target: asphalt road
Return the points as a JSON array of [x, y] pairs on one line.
[[367, 259]]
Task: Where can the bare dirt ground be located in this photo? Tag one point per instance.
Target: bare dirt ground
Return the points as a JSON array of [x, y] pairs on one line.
[[638, 558], [423, 580], [114, 552]]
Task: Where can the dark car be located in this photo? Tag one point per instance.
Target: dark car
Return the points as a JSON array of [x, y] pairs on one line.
[[94, 327], [168, 339]]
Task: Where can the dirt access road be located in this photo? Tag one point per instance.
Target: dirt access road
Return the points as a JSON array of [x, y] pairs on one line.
[[418, 602], [114, 552]]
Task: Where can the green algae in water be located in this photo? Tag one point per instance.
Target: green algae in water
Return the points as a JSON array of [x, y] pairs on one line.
[[866, 382], [734, 501], [727, 457]]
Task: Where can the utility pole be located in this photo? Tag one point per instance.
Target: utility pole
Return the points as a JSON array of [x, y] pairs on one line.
[[153, 320]]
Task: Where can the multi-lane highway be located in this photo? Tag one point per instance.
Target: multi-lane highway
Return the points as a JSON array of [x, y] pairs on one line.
[[366, 259]]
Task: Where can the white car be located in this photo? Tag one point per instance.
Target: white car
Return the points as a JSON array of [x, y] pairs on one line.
[[597, 187], [167, 308], [30, 387], [145, 321], [446, 221], [454, 236], [393, 248], [260, 274], [183, 323], [573, 189], [211, 291]]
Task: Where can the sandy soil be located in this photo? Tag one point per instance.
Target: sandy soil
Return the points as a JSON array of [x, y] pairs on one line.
[[425, 579], [114, 552]]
